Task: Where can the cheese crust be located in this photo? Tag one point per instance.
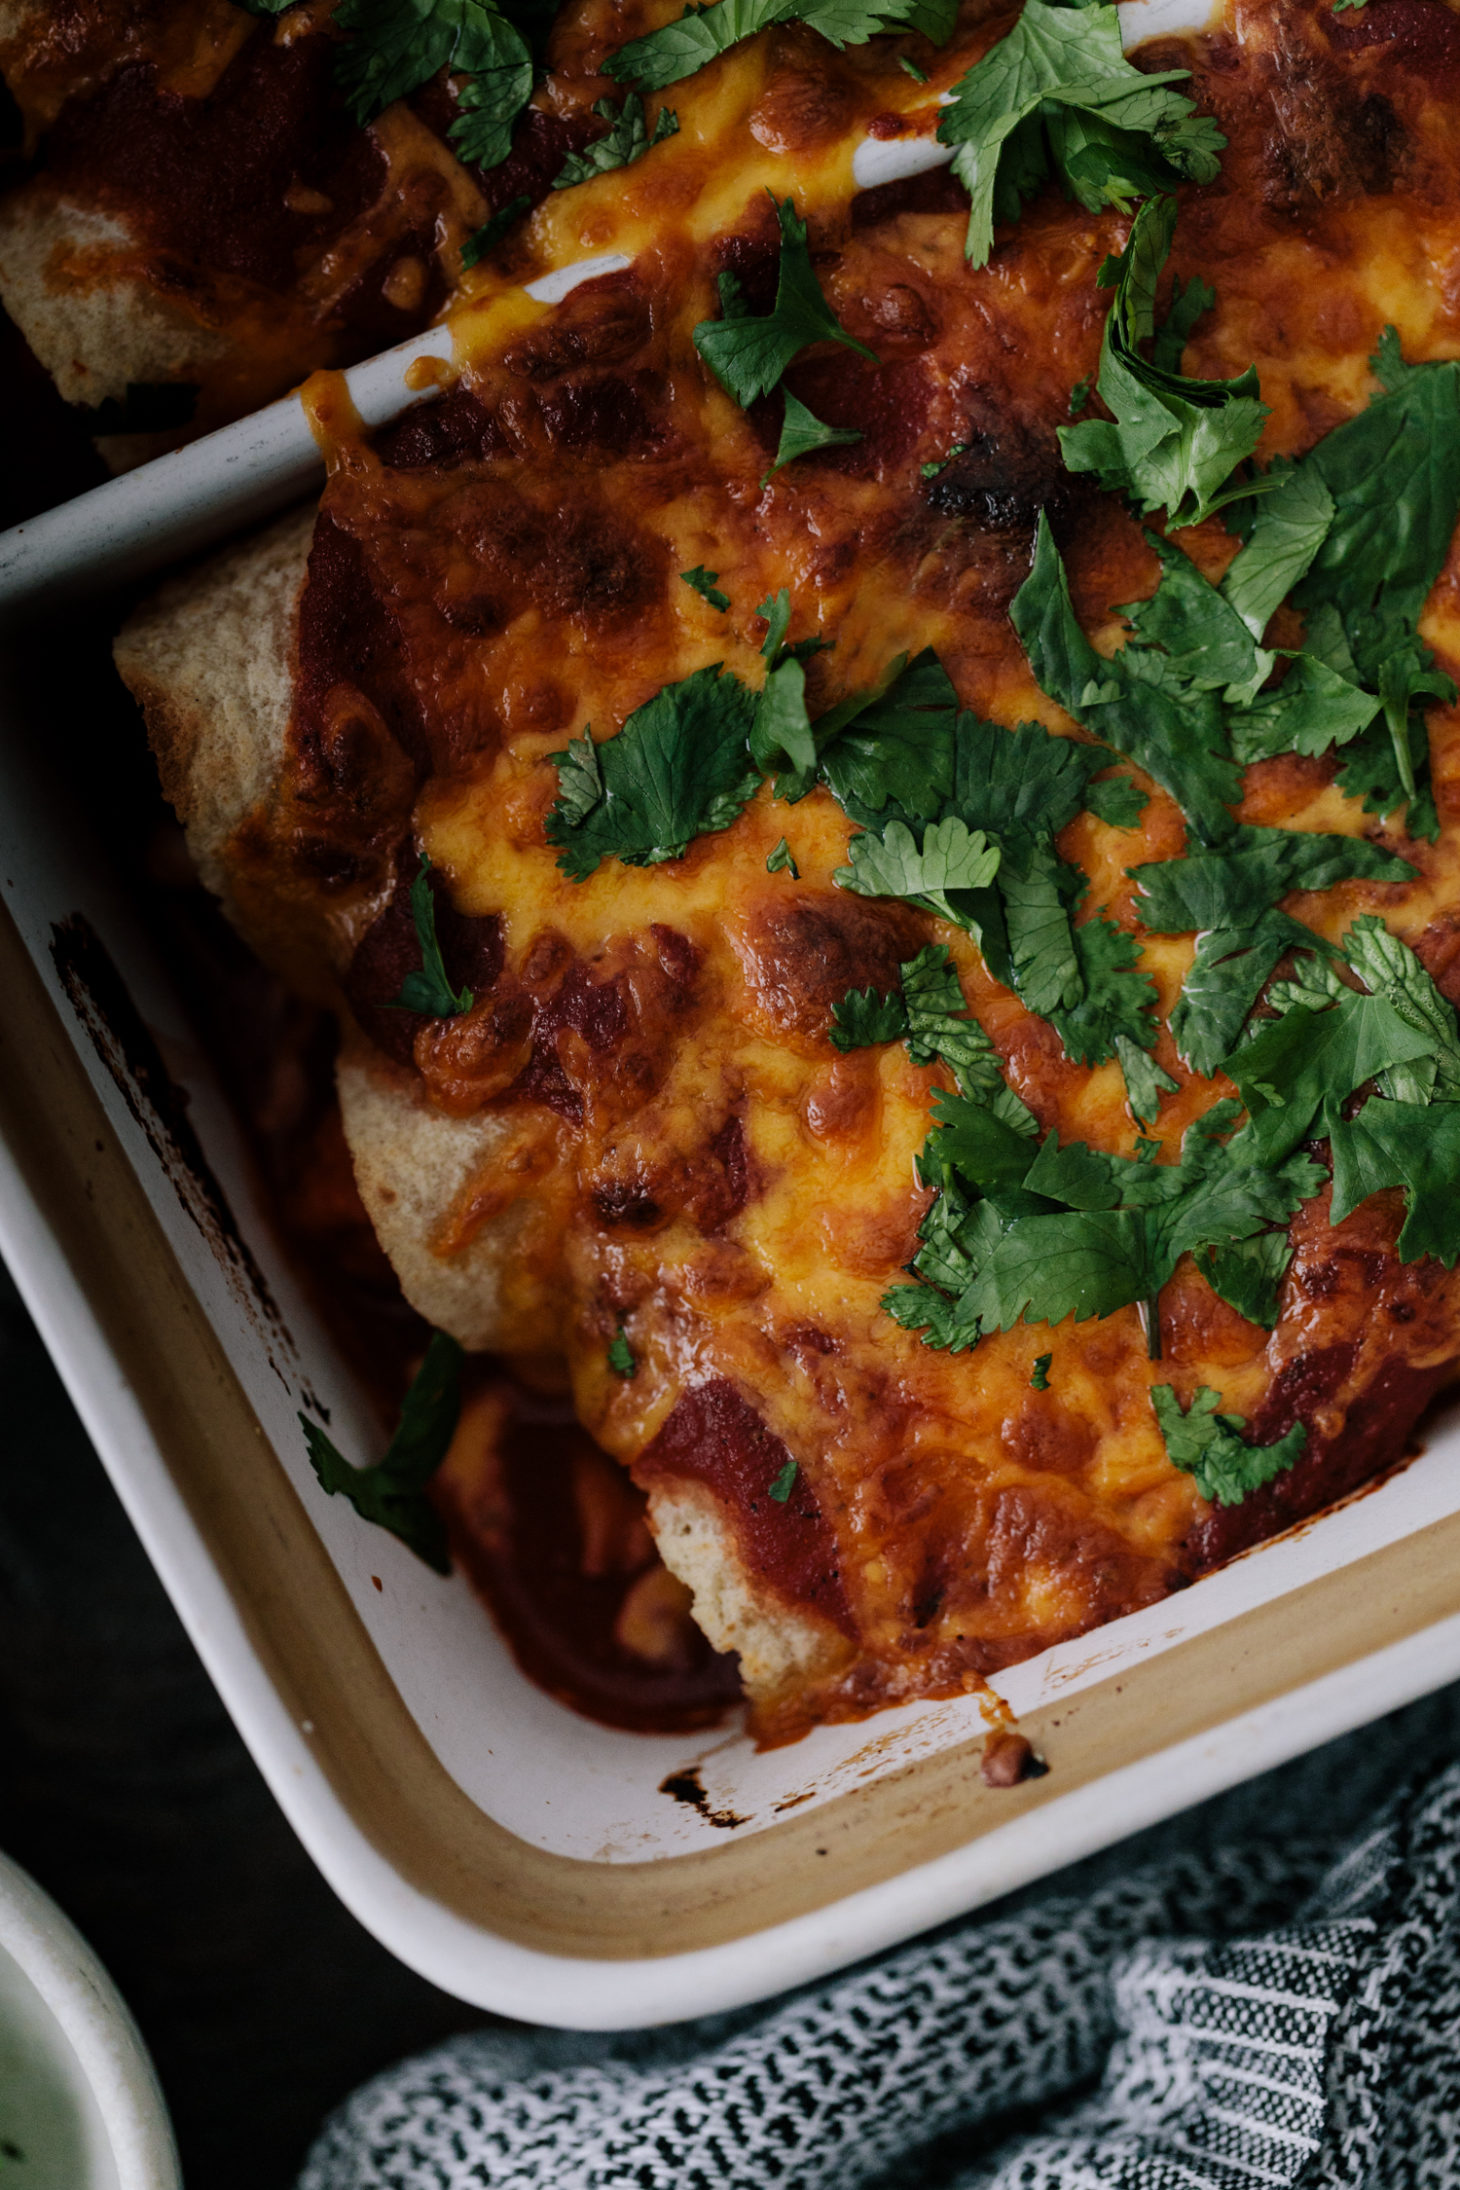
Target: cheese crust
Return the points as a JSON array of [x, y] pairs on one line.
[[641, 1123]]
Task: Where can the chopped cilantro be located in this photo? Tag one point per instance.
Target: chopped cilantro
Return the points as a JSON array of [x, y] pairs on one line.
[[1118, 1003], [678, 769], [802, 433], [392, 1492], [1393, 475], [1174, 442], [1389, 968], [863, 1018], [621, 1355], [702, 581], [1057, 95], [490, 234], [395, 46], [1039, 1381], [941, 463], [1080, 397], [784, 1483], [1231, 885], [1074, 1232], [776, 609], [1145, 1081], [920, 75], [1210, 1447], [628, 139], [950, 857], [1225, 981], [748, 353], [1134, 702], [428, 991], [781, 733], [1308, 1062], [783, 860], [1311, 711], [1289, 527], [1415, 1146], [679, 49]]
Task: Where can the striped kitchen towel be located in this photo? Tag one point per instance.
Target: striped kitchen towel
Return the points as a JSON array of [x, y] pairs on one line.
[[1269, 2012]]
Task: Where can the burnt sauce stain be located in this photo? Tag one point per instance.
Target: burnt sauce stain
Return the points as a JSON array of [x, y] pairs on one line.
[[127, 1047], [687, 1787]]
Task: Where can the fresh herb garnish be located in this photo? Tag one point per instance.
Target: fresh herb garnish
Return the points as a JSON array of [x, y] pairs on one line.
[[748, 352], [490, 234], [1018, 1234], [783, 861], [621, 1355], [941, 463], [784, 1483], [1210, 1447], [1145, 1081], [678, 769], [700, 35], [802, 433], [395, 46], [950, 856], [1296, 1068], [1136, 702], [920, 75], [1057, 95], [864, 1018], [702, 581], [392, 1492], [428, 991], [1415, 1146], [1174, 442], [628, 139], [1039, 1381]]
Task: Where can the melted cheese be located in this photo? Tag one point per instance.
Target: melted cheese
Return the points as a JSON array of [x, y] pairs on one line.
[[532, 591]]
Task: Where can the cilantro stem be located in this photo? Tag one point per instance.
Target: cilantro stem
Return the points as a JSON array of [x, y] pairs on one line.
[[1150, 1315]]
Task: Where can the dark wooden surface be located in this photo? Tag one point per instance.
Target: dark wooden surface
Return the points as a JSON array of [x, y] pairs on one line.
[[126, 1792]]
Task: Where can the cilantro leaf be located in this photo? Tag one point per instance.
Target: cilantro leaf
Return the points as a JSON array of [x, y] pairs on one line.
[[628, 140], [1039, 1380], [1312, 710], [1118, 801], [863, 1018], [395, 46], [1247, 1272], [1290, 525], [621, 1355], [490, 234], [1226, 978], [1210, 1447], [392, 1492], [1415, 1146], [1037, 889], [1201, 634], [1145, 1080], [1230, 886], [1297, 1066], [1393, 475], [1117, 1011], [700, 35], [950, 857], [783, 861], [428, 991], [748, 353], [776, 609], [1057, 95], [1174, 442], [1389, 968], [702, 581], [784, 1484], [1133, 702], [940, 1025], [781, 733], [678, 769], [802, 432]]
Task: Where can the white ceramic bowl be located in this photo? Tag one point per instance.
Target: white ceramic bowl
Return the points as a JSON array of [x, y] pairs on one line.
[[80, 2107]]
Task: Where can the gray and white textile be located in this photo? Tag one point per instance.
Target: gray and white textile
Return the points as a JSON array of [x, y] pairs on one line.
[[1239, 2001]]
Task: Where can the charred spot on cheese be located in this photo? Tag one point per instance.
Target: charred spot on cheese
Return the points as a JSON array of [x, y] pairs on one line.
[[714, 1437], [440, 436], [1002, 476], [707, 1186], [800, 953], [605, 321]]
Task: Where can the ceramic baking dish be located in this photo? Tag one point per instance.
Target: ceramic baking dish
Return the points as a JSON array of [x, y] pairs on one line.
[[522, 1857]]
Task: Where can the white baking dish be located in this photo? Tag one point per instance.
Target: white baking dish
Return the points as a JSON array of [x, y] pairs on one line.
[[514, 1853]]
